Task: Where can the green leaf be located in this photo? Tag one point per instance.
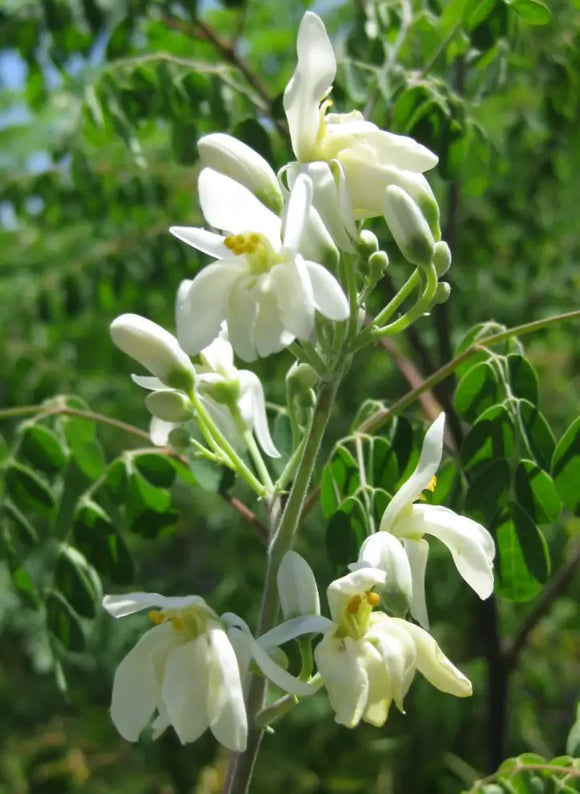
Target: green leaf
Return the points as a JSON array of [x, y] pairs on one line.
[[148, 508], [403, 442], [534, 12], [21, 581], [77, 581], [340, 478], [475, 334], [488, 491], [536, 434], [157, 469], [27, 534], [63, 623], [477, 390], [27, 490], [101, 544], [522, 562], [491, 437], [381, 466], [522, 377], [117, 479], [536, 493], [566, 467], [81, 437], [346, 531], [42, 448]]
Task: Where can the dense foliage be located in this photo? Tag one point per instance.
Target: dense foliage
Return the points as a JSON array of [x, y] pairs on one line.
[[102, 107]]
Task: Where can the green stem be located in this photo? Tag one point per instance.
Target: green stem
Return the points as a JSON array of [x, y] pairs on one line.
[[242, 764], [366, 336], [422, 305], [378, 419]]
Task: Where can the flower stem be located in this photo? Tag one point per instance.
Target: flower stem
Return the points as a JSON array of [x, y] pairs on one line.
[[242, 764]]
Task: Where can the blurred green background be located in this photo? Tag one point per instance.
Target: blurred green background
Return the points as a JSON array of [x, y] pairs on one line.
[[101, 107]]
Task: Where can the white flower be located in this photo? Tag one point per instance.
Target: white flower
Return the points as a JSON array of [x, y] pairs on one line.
[[367, 659], [470, 544], [260, 283], [337, 148], [297, 587], [184, 670]]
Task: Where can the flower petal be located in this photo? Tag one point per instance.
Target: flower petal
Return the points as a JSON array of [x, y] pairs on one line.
[[297, 586], [148, 382], [231, 207], [219, 355], [400, 151], [341, 666], [159, 431], [385, 551], [354, 583], [470, 544], [329, 297], [136, 685], [329, 200], [242, 310], [225, 698], [201, 303], [428, 464], [271, 332], [290, 283], [417, 552], [184, 690], [315, 71], [252, 386], [119, 606], [297, 210], [434, 665], [295, 627], [203, 240]]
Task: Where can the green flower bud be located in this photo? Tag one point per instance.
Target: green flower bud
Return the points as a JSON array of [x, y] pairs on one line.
[[442, 293], [300, 379], [171, 406], [408, 226], [441, 258], [367, 243], [227, 392]]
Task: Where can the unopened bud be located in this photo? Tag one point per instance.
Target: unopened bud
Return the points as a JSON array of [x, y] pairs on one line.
[[442, 293], [367, 243], [420, 191], [441, 258], [155, 348], [378, 263], [408, 226], [171, 406], [300, 378], [235, 159], [227, 392], [297, 587]]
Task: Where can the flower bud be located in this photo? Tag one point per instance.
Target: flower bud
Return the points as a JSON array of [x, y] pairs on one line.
[[297, 587], [171, 406], [227, 392], [300, 378], [420, 191], [155, 348], [378, 263], [367, 243], [235, 159], [408, 226], [441, 258], [442, 293]]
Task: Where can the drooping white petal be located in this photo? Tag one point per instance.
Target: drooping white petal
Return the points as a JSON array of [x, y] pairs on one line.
[[184, 690], [434, 665], [271, 333], [314, 74], [470, 544], [329, 297], [225, 698], [417, 552], [159, 431], [291, 285], [252, 386], [297, 211], [428, 464], [295, 627], [203, 240], [329, 200], [341, 666], [268, 666], [148, 382], [219, 355], [136, 686], [400, 151], [342, 590], [297, 586], [119, 606], [201, 303], [242, 649], [231, 207], [398, 652], [383, 550], [242, 310]]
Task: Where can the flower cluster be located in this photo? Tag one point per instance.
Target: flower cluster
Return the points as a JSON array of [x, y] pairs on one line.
[[288, 269]]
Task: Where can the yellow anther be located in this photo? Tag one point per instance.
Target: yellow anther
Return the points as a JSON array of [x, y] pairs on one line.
[[177, 623], [229, 242], [155, 616], [372, 598], [432, 484], [254, 238], [353, 605]]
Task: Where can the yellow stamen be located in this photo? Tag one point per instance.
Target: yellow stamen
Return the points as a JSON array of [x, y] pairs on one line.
[[372, 598], [353, 605], [243, 243], [432, 484], [155, 616], [177, 623]]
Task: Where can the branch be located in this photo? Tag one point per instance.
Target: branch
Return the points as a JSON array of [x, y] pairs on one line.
[[373, 423]]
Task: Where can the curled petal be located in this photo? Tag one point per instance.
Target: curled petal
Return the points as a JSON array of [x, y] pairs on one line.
[[417, 552], [252, 386], [226, 709], [159, 431], [342, 668], [295, 302], [297, 586], [329, 297], [203, 240], [295, 627], [119, 606], [434, 665], [428, 464], [383, 550], [401, 151], [297, 211], [315, 71]]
